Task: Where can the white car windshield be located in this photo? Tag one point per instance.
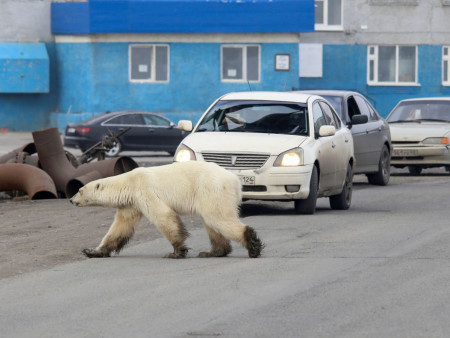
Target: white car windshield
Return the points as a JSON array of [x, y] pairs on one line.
[[256, 117], [416, 111]]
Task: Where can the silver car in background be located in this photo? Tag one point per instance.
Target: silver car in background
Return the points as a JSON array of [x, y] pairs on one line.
[[421, 134], [372, 139]]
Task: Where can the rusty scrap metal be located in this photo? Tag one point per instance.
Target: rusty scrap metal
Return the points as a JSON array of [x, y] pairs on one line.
[[36, 183]]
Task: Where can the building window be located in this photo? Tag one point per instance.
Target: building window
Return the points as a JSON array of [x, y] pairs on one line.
[[149, 63], [240, 63], [445, 65], [392, 65], [329, 15]]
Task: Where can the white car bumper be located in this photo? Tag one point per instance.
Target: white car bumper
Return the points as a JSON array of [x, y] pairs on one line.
[[275, 183]]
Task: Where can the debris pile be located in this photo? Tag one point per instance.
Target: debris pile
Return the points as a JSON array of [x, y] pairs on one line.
[[45, 170]]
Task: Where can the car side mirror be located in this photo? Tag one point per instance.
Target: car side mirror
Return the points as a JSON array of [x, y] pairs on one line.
[[185, 125], [358, 119], [327, 131]]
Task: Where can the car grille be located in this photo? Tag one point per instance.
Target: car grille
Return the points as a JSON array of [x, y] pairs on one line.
[[237, 161]]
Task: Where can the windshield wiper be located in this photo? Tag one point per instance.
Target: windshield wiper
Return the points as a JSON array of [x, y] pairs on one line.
[[402, 121], [435, 120]]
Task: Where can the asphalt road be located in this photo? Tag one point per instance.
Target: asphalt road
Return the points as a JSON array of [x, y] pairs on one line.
[[380, 269]]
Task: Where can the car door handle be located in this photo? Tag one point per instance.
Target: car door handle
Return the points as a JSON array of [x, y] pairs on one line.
[[346, 140], [333, 145], [151, 130]]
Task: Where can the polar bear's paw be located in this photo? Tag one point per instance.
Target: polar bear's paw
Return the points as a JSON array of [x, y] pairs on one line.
[[253, 243], [178, 253], [92, 253]]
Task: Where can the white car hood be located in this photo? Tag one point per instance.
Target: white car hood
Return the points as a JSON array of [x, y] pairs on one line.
[[412, 131], [242, 142]]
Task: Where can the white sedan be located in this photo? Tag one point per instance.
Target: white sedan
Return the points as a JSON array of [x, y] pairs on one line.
[[284, 146], [420, 134]]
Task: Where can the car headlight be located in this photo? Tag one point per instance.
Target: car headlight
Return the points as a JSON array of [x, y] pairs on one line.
[[184, 154], [290, 158], [436, 140]]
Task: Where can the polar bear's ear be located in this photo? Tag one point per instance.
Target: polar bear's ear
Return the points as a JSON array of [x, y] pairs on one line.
[[97, 187]]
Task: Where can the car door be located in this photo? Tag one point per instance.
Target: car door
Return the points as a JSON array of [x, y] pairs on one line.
[[325, 153], [340, 143], [372, 137]]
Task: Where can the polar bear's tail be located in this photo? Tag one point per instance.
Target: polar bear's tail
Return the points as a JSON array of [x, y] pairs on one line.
[[252, 242]]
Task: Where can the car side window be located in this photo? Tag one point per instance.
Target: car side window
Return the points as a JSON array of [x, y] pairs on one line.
[[319, 117], [331, 117], [373, 114], [154, 120], [352, 107]]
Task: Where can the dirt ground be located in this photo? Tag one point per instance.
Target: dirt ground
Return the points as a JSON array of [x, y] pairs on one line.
[[41, 234]]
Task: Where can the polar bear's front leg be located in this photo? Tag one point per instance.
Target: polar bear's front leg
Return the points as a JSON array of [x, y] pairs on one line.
[[220, 246], [119, 233]]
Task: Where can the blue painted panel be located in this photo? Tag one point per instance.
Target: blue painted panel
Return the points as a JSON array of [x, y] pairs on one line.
[[183, 16], [70, 18], [24, 68], [345, 67]]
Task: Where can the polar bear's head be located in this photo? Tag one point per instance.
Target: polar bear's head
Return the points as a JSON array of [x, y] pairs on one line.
[[107, 192]]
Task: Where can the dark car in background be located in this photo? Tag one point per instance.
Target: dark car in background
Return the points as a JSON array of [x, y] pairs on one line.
[[372, 140], [148, 132]]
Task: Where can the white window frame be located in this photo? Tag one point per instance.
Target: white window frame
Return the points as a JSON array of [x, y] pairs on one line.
[[325, 26], [446, 61], [373, 58], [244, 64], [152, 78]]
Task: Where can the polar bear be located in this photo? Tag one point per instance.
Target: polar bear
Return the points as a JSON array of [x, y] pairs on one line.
[[164, 192]]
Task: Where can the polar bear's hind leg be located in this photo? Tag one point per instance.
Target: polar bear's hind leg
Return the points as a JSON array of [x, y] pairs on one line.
[[220, 246]]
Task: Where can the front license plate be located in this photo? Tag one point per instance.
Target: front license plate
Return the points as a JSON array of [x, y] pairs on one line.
[[247, 180], [404, 152]]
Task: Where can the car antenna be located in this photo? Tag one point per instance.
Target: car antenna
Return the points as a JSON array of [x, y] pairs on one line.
[[250, 87]]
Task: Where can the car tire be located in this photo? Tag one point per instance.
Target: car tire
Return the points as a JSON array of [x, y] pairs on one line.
[[382, 176], [115, 150], [343, 200], [414, 170], [308, 206]]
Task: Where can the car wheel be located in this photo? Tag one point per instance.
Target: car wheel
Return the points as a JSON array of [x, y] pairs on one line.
[[115, 150], [343, 200], [414, 170], [308, 206], [381, 177]]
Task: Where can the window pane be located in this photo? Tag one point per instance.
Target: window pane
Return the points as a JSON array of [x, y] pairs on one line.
[[445, 70], [140, 63], [445, 51], [407, 64], [252, 63], [334, 12], [386, 63], [372, 70], [232, 63], [161, 59], [319, 12]]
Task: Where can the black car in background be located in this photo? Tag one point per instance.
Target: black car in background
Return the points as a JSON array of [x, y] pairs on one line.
[[149, 131], [372, 140]]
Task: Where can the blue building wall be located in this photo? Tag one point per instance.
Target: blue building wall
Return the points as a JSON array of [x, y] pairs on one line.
[[345, 67], [94, 78]]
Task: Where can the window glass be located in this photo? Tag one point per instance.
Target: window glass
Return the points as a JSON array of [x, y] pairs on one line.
[[445, 66], [363, 108], [149, 63], [155, 120], [407, 64], [232, 63], [319, 117], [240, 63], [269, 117], [162, 58], [334, 12], [319, 12], [328, 14], [386, 68], [141, 59], [252, 63], [329, 114]]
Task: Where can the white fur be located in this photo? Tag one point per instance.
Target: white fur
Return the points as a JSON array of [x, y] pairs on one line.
[[162, 193]]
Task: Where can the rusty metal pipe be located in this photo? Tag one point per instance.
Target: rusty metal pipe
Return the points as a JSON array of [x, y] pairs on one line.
[[16, 155], [54, 161], [32, 180]]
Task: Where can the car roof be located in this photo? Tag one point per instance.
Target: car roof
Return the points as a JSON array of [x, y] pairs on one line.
[[328, 92], [442, 98], [268, 96]]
